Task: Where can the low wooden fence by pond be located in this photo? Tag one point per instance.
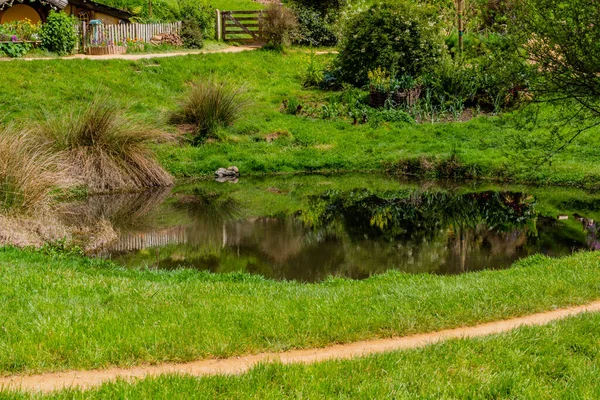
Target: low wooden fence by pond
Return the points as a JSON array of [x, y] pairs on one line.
[[140, 241], [239, 26], [120, 34]]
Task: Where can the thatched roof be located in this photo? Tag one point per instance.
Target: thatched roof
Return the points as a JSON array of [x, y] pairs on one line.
[[59, 4]]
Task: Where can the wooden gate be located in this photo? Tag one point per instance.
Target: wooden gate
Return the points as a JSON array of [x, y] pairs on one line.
[[239, 26]]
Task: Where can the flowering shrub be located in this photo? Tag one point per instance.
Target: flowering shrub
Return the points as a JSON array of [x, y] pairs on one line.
[[19, 31], [15, 35]]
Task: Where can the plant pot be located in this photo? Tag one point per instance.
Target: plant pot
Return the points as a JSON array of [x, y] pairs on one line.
[[377, 99], [105, 50], [407, 97]]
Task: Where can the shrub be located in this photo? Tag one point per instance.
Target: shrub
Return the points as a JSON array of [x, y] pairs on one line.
[[209, 105], [278, 24], [313, 29], [58, 33], [401, 38], [28, 175], [199, 15], [109, 151], [323, 7], [191, 33]]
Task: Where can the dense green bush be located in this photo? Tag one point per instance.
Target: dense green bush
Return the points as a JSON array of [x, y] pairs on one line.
[[401, 38], [313, 28], [201, 13], [191, 33], [323, 7], [58, 33], [279, 25]]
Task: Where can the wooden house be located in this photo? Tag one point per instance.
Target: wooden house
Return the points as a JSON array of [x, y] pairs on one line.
[[37, 11]]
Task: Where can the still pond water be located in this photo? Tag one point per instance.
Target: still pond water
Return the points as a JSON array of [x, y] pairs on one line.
[[309, 228]]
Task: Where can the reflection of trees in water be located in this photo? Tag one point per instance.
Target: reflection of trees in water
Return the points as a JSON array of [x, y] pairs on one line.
[[357, 234]]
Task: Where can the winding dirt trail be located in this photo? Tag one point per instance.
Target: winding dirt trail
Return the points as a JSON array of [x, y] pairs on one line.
[[87, 379], [134, 57]]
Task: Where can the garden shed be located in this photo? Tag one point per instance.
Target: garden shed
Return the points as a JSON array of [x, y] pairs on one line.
[[37, 11]]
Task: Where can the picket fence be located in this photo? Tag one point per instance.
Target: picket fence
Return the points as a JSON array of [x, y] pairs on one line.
[[95, 35]]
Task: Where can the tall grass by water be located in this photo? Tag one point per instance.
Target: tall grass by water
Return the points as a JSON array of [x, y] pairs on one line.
[[28, 174], [107, 150]]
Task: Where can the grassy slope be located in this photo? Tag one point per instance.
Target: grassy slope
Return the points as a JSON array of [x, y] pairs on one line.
[[151, 88], [560, 360], [62, 313]]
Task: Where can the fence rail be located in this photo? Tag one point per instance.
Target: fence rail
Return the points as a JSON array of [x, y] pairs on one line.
[[239, 26], [100, 35]]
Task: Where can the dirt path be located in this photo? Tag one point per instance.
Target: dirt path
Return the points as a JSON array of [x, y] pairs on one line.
[[237, 365], [230, 49]]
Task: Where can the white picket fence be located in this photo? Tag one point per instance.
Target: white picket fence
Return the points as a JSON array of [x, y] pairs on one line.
[[122, 33]]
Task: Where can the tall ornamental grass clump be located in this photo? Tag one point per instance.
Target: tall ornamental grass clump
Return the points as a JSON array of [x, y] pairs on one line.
[[28, 174], [209, 105], [107, 150]]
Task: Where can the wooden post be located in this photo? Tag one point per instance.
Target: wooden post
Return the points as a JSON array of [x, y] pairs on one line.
[[83, 36], [218, 25], [461, 27]]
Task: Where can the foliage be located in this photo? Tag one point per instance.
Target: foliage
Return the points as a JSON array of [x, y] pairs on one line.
[[106, 149], [58, 33], [197, 15], [561, 41], [313, 76], [402, 38], [16, 33], [15, 49], [323, 7], [313, 28], [192, 35], [278, 24], [208, 105]]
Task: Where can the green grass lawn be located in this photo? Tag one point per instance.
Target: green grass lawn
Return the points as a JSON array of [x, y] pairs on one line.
[[560, 360], [151, 88], [71, 313]]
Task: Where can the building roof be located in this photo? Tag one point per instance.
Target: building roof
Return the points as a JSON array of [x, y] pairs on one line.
[[93, 6], [85, 4], [59, 4]]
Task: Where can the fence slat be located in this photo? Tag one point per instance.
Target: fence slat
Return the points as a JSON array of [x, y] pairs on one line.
[[119, 33]]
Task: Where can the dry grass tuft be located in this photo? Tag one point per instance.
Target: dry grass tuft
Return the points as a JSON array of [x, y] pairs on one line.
[[28, 174], [107, 150], [209, 105]]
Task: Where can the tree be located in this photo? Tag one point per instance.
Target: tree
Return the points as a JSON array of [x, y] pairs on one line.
[[561, 41]]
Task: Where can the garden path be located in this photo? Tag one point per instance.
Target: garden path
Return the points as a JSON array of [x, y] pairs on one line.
[[49, 382], [230, 49]]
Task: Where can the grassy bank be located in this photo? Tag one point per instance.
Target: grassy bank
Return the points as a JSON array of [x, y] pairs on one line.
[[267, 140], [556, 361], [69, 312]]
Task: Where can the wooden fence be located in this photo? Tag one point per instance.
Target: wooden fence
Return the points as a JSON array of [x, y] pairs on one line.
[[239, 26], [103, 35]]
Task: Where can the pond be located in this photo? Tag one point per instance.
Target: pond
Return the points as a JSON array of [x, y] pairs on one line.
[[308, 228]]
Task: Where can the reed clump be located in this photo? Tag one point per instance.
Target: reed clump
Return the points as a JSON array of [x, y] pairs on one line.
[[210, 104], [29, 175], [107, 150]]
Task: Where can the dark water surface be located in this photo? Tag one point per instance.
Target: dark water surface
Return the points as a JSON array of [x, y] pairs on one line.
[[309, 228]]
